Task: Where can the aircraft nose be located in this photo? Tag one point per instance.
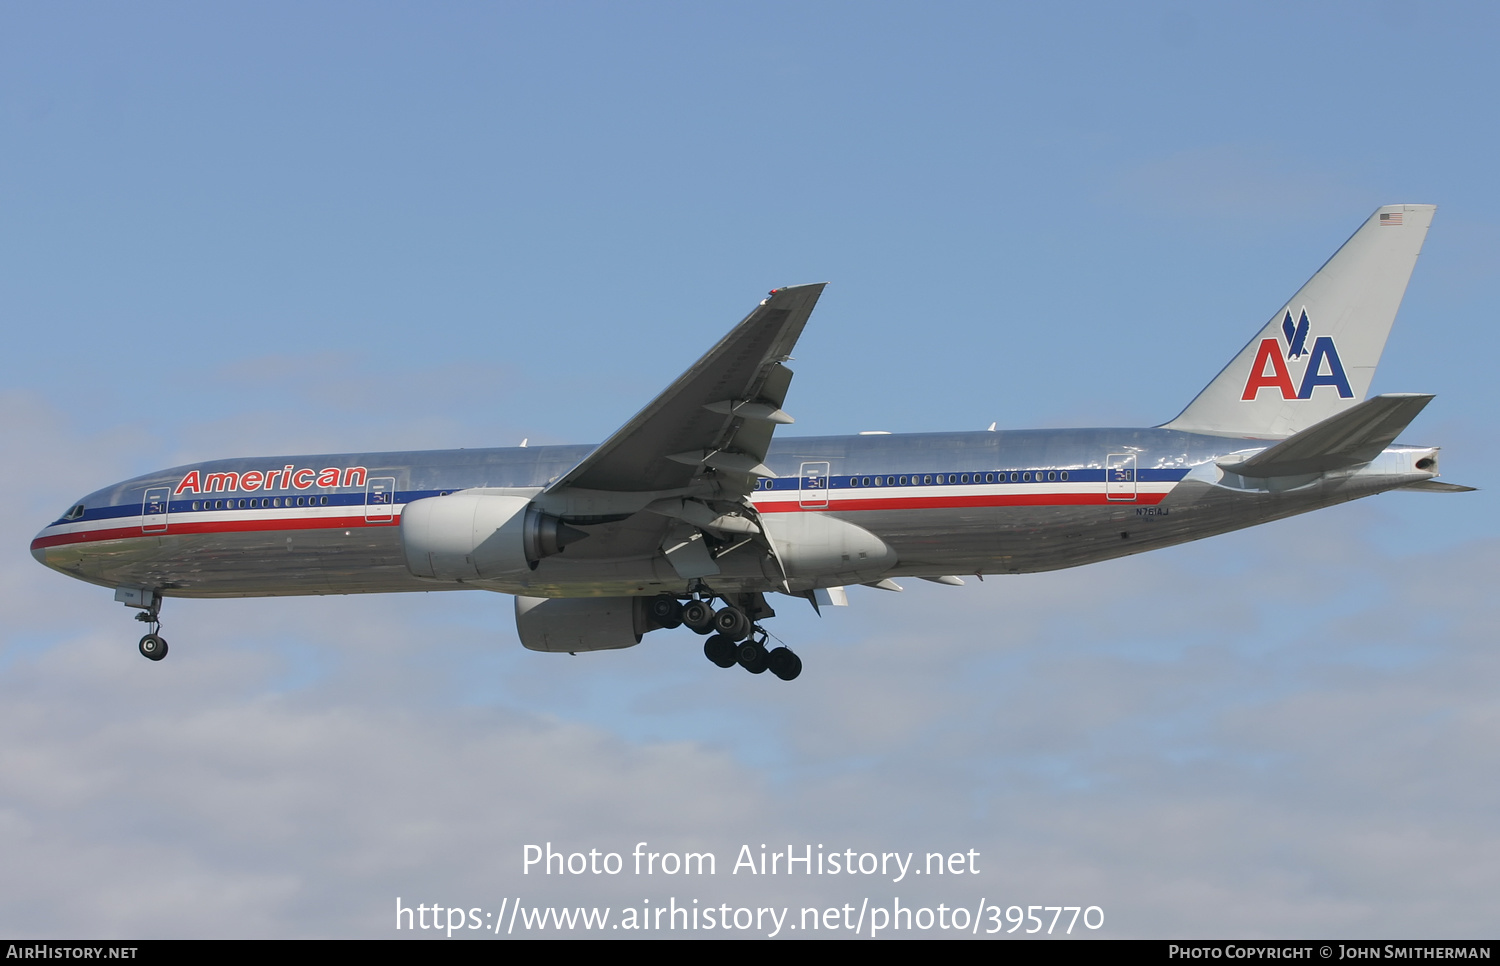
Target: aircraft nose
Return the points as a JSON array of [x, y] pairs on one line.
[[39, 546], [51, 536]]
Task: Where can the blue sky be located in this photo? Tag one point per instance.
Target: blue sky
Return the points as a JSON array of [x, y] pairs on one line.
[[328, 227]]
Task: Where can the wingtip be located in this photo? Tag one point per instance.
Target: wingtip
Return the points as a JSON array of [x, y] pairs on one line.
[[793, 288]]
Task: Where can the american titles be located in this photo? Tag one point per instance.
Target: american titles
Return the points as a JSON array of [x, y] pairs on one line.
[[289, 477]]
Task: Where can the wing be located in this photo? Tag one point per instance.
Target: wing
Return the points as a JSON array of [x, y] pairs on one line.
[[717, 418]]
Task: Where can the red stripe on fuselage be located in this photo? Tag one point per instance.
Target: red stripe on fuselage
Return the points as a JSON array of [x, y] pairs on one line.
[[779, 506], [218, 526], [959, 502]]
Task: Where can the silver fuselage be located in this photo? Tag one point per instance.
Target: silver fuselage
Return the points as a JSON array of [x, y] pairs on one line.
[[945, 503]]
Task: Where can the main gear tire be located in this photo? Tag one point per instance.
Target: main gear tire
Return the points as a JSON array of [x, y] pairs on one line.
[[784, 663], [732, 623], [665, 611], [698, 616], [752, 657], [720, 650]]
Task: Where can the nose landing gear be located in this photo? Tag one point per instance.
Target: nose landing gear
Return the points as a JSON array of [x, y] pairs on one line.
[[153, 646]]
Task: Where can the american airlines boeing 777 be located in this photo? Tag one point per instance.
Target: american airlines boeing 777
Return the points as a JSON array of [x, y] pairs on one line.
[[690, 514]]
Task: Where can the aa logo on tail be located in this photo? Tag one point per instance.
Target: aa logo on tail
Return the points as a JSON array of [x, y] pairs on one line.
[[1270, 369]]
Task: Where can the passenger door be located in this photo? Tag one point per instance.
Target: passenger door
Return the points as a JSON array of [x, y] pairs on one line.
[[380, 499], [154, 509], [813, 485]]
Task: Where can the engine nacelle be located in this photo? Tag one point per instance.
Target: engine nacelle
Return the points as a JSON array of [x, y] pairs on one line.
[[464, 536], [580, 623]]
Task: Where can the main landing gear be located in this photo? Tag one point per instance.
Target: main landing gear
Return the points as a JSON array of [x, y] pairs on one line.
[[153, 646], [734, 637]]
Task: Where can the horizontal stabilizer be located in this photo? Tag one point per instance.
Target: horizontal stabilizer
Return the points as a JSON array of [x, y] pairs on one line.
[[1356, 435], [1433, 486]]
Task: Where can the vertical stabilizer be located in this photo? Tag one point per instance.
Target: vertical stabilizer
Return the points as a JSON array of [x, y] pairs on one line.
[[1316, 356]]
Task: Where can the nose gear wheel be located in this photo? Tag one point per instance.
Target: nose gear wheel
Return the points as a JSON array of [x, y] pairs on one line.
[[153, 646]]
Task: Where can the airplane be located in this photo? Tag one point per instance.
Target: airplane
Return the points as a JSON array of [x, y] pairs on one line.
[[692, 502]]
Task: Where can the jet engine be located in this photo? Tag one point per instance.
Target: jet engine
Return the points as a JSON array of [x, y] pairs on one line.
[[580, 623], [464, 536]]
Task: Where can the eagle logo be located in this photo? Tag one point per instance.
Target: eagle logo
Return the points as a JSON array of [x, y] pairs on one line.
[[1296, 335]]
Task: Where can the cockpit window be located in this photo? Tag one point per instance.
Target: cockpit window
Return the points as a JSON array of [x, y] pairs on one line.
[[74, 513]]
